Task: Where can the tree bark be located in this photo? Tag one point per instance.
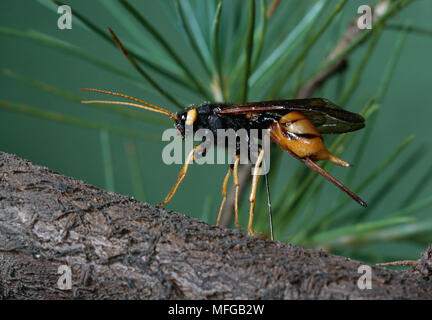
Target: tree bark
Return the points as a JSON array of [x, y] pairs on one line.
[[120, 248]]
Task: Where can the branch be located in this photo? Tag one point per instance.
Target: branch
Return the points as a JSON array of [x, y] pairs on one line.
[[352, 32], [120, 248]]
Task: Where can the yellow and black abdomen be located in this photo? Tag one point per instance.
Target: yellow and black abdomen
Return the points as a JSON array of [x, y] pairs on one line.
[[295, 132]]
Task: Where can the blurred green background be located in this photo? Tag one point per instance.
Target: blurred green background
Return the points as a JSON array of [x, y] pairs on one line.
[[123, 153]]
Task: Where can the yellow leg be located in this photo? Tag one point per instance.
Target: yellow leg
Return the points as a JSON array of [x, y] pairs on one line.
[[182, 174], [237, 185], [252, 195], [224, 194]]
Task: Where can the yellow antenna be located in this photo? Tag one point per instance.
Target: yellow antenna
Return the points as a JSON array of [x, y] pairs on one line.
[[141, 104]]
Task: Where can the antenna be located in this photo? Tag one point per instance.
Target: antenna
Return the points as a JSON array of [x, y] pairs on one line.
[[141, 104]]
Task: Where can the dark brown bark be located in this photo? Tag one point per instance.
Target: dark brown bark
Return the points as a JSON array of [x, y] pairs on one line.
[[120, 248]]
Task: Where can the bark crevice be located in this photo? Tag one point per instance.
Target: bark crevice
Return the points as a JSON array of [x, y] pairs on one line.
[[120, 248]]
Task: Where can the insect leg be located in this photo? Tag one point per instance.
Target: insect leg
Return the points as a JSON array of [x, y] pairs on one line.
[[269, 202], [252, 195], [224, 194], [191, 156], [237, 187]]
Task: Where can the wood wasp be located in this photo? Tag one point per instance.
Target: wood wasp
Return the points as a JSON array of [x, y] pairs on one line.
[[295, 125]]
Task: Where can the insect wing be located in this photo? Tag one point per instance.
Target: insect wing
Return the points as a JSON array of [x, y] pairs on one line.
[[325, 115]]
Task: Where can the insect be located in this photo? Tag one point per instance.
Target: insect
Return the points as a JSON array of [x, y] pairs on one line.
[[296, 126]]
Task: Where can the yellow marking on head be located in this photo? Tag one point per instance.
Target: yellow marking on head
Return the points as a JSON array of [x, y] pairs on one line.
[[191, 116]]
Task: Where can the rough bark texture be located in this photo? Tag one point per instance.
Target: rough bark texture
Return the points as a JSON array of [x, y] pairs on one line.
[[120, 248]]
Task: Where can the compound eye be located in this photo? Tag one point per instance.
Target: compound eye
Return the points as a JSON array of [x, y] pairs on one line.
[[191, 116]]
